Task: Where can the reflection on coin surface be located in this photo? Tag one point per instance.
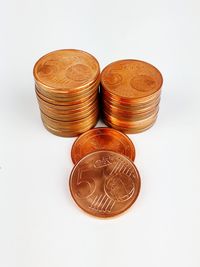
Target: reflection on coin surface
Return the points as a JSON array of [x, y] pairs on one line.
[[102, 139], [104, 183], [66, 69], [131, 79]]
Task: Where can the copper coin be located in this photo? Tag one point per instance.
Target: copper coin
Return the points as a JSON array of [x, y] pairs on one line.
[[131, 124], [102, 139], [129, 113], [69, 96], [67, 133], [104, 183], [71, 103], [72, 112], [65, 116], [133, 118], [129, 107], [130, 130], [132, 101], [131, 79], [65, 72], [69, 125], [68, 107]]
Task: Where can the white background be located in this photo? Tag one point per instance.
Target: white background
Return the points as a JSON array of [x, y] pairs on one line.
[[40, 226]]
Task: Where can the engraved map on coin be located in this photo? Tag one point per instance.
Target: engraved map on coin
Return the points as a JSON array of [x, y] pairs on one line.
[[104, 183], [143, 83], [78, 72]]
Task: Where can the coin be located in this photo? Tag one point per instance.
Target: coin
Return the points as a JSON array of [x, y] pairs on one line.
[[130, 113], [71, 107], [69, 95], [131, 106], [63, 115], [68, 133], [65, 72], [132, 130], [131, 79], [131, 124], [69, 125], [69, 103], [104, 183], [102, 139]]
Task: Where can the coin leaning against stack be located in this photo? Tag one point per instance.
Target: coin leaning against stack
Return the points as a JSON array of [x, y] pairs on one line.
[[67, 87], [130, 93]]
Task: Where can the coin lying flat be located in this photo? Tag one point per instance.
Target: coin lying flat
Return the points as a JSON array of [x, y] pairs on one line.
[[102, 139], [131, 79], [63, 72], [104, 183]]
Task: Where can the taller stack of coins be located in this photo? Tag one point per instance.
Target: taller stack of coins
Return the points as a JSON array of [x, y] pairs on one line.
[[130, 92], [66, 86]]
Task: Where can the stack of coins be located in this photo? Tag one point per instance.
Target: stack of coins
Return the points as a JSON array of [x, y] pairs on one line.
[[67, 87], [130, 91]]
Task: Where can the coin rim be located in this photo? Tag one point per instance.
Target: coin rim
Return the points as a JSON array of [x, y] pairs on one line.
[[132, 157], [56, 89]]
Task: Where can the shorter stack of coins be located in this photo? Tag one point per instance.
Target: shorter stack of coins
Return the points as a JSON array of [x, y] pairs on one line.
[[67, 87], [130, 91]]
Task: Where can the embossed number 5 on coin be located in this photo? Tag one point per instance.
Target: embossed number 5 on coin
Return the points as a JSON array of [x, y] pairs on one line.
[[85, 184]]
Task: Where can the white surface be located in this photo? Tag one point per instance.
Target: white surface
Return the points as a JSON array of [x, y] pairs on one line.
[[40, 226]]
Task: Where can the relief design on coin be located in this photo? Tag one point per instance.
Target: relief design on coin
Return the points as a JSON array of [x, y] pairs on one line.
[[102, 139], [104, 183], [119, 184]]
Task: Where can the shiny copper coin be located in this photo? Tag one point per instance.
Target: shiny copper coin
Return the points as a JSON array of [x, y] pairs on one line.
[[128, 112], [71, 96], [69, 125], [76, 109], [66, 117], [68, 107], [129, 107], [143, 101], [102, 139], [131, 124], [65, 72], [104, 183], [131, 79], [133, 130], [68, 133], [63, 102], [133, 118]]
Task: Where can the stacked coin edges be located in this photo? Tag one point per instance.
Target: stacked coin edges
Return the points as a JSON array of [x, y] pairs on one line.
[[129, 114], [69, 111]]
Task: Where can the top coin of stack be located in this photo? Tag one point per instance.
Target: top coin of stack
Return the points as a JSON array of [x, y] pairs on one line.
[[130, 92], [66, 85]]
